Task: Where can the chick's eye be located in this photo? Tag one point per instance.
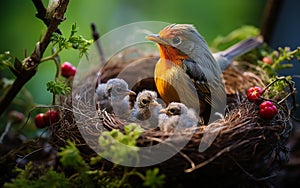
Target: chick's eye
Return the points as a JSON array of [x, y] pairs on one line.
[[172, 110], [176, 40], [118, 89], [144, 101]]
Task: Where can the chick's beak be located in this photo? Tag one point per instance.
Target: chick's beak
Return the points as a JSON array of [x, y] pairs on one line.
[[129, 92], [156, 38], [155, 103], [165, 111]]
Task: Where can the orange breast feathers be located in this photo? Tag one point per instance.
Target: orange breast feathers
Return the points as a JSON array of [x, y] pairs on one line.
[[172, 82]]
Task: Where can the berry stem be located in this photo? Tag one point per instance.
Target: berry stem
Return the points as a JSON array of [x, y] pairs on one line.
[[291, 87], [51, 57]]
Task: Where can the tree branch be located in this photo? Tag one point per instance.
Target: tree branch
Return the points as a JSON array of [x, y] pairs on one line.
[[96, 36], [270, 18], [41, 11], [31, 63]]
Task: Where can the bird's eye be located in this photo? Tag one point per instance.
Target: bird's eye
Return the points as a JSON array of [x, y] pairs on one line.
[[144, 101], [176, 40], [118, 89], [172, 110]]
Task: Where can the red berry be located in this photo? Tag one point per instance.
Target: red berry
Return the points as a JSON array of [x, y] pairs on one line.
[[254, 93], [51, 116], [267, 110], [39, 121], [267, 60], [67, 70]]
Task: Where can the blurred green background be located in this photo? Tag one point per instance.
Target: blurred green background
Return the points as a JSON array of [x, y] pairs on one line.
[[20, 30]]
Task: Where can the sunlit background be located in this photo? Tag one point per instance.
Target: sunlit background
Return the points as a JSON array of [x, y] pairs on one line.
[[20, 30]]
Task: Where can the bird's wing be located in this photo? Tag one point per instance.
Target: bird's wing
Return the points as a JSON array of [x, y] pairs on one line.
[[202, 85]]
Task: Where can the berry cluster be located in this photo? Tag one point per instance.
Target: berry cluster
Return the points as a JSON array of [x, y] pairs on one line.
[[46, 119], [267, 109]]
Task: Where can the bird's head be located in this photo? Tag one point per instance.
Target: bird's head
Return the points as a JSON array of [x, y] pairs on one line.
[[118, 88], [147, 98], [182, 38], [175, 108]]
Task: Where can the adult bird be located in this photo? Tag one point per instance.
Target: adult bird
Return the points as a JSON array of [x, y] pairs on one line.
[[226, 57], [177, 115], [114, 97], [187, 72], [146, 108]]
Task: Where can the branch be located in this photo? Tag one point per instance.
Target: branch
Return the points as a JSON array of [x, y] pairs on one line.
[[96, 36], [270, 18], [31, 63], [41, 11]]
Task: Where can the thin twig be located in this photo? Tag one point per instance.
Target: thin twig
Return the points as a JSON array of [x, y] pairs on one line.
[[96, 37], [227, 149], [56, 60], [29, 154], [176, 149], [292, 93]]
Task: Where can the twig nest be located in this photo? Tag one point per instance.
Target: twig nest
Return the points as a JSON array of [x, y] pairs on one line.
[[245, 143]]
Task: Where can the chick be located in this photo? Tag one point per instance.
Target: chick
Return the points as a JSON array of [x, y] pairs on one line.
[[114, 97], [177, 115], [146, 108], [103, 97]]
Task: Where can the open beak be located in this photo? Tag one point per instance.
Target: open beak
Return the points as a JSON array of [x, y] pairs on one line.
[[156, 38]]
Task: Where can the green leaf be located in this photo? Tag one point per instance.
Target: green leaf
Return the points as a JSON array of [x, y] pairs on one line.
[[54, 179], [28, 178], [70, 157], [153, 179], [119, 147], [58, 88], [5, 60], [280, 86], [74, 41]]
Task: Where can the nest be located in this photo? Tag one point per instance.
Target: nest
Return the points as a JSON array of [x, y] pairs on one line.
[[246, 146]]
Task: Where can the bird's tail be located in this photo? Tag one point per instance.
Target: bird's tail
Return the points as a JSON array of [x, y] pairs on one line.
[[242, 47]]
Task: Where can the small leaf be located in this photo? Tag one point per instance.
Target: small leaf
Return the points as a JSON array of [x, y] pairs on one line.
[[153, 179], [5, 59], [58, 88], [70, 157]]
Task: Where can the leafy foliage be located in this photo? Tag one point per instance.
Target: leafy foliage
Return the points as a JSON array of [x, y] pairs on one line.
[[279, 58], [119, 147], [153, 179], [58, 88], [27, 179], [223, 42], [82, 174], [70, 156], [279, 87], [5, 60], [74, 41]]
